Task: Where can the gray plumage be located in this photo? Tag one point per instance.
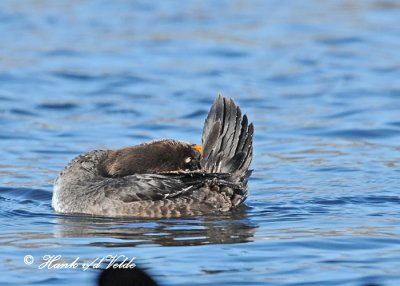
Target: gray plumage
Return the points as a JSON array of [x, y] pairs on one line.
[[227, 140], [164, 178]]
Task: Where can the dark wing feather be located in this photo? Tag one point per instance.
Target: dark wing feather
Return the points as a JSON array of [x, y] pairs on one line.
[[212, 138], [143, 187], [156, 186], [227, 140]]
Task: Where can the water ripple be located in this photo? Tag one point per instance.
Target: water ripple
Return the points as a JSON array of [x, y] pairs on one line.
[[318, 78], [361, 133]]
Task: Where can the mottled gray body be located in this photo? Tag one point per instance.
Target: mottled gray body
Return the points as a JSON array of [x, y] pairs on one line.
[[94, 183]]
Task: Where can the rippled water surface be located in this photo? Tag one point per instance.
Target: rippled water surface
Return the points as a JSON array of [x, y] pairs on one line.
[[319, 79]]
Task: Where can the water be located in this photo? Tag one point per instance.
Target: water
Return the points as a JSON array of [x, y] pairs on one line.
[[318, 78]]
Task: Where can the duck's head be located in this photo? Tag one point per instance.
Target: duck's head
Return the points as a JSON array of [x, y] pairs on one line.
[[152, 157]]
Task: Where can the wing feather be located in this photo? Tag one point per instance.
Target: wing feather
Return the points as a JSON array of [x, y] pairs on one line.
[[227, 140], [143, 187], [155, 187]]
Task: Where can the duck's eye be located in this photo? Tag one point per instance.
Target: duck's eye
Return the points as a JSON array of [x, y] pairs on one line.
[[188, 160]]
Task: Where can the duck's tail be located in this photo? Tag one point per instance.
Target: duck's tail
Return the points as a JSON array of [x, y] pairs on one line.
[[227, 141]]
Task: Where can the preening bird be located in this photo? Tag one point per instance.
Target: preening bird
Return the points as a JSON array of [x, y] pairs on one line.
[[164, 178]]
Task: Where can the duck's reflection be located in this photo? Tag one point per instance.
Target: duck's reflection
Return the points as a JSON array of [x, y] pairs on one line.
[[231, 227]]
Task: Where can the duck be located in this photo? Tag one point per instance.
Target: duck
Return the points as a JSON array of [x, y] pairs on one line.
[[164, 178]]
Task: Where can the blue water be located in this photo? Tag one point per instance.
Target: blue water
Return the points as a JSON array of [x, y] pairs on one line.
[[319, 79]]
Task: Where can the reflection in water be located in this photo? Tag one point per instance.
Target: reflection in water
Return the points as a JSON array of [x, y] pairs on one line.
[[233, 227], [320, 79]]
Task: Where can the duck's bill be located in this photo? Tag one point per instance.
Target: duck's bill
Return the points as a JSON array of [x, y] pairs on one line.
[[198, 148]]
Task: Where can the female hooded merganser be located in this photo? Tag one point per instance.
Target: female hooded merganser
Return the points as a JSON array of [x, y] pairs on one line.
[[164, 178]]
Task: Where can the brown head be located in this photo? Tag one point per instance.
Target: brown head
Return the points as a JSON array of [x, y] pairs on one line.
[[151, 158]]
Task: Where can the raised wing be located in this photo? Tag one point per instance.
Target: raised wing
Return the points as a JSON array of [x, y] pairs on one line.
[[227, 140]]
